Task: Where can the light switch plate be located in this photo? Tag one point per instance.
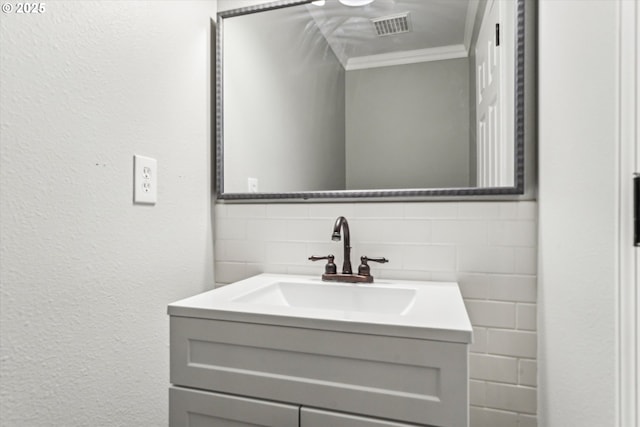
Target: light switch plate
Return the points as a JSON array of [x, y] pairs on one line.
[[145, 180], [252, 185]]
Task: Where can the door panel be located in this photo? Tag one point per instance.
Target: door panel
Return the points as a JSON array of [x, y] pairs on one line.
[[318, 418], [494, 93], [194, 408]]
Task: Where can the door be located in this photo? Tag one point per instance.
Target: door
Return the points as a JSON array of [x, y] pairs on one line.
[[629, 162], [195, 408], [494, 97]]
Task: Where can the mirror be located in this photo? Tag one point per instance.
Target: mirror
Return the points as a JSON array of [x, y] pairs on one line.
[[394, 98]]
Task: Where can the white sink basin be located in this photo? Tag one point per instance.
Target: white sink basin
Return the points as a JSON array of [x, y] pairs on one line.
[[330, 296], [402, 308]]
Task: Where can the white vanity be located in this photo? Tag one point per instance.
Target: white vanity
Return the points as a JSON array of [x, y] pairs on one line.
[[285, 351]]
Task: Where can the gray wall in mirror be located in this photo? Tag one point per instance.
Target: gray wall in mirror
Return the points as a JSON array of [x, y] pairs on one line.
[[284, 114], [355, 153], [407, 131]]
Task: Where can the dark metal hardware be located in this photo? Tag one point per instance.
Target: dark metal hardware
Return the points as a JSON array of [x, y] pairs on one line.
[[364, 268], [330, 267], [342, 224], [348, 278], [636, 209], [497, 34], [330, 274]]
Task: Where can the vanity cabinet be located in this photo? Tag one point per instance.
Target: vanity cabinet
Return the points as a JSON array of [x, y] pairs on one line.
[[316, 376]]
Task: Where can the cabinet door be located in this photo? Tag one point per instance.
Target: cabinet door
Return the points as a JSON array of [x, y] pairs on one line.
[[317, 418], [410, 380], [194, 408]]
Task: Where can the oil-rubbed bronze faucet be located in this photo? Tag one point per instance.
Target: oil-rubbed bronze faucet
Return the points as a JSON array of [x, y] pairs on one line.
[[330, 273], [342, 223]]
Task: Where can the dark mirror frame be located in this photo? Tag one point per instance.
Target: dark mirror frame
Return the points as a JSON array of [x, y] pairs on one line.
[[515, 192]]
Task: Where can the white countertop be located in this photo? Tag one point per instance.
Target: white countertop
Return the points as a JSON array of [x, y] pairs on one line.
[[435, 311]]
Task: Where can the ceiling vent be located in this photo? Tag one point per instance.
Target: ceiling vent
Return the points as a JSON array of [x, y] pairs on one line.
[[394, 24]]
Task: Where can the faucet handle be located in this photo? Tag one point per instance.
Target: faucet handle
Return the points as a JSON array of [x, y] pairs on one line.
[[330, 267], [364, 269]]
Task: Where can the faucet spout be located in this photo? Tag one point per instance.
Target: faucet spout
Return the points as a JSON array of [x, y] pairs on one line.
[[342, 224]]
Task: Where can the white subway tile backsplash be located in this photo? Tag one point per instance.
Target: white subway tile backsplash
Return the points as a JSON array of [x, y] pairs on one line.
[[230, 228], [246, 211], [476, 417], [459, 232], [512, 233], [389, 231], [252, 269], [512, 343], [527, 317], [508, 210], [528, 373], [491, 313], [489, 248], [512, 398], [378, 210], [324, 249], [527, 421], [431, 210], [229, 272], [473, 286], [512, 288], [483, 417], [430, 258], [444, 276], [403, 274], [479, 344], [240, 251], [308, 230], [278, 210], [286, 253], [477, 393], [331, 211], [307, 270], [526, 261], [528, 210], [266, 230], [220, 211], [486, 259], [488, 210], [493, 368]]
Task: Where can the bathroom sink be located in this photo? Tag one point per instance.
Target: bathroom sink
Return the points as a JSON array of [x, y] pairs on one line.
[[327, 296], [391, 350], [401, 308]]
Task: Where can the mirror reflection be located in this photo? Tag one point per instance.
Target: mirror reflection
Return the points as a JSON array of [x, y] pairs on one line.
[[388, 95]]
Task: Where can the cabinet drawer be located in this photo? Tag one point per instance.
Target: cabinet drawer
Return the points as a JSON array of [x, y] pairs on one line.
[[410, 380], [318, 418], [194, 408]]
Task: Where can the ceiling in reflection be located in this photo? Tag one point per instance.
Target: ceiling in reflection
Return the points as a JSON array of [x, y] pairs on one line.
[[438, 29]]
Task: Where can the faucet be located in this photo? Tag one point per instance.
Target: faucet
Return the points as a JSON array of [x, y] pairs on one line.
[[341, 228], [342, 223]]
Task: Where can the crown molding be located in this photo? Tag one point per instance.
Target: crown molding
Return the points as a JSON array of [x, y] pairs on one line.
[[407, 57]]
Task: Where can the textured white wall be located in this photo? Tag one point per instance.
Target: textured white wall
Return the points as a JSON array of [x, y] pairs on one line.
[[85, 274], [489, 248], [578, 127]]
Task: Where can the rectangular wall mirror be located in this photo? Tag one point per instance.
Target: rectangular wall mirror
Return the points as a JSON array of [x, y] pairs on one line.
[[390, 98]]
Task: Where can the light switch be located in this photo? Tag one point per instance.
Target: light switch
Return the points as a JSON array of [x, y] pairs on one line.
[[145, 180]]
